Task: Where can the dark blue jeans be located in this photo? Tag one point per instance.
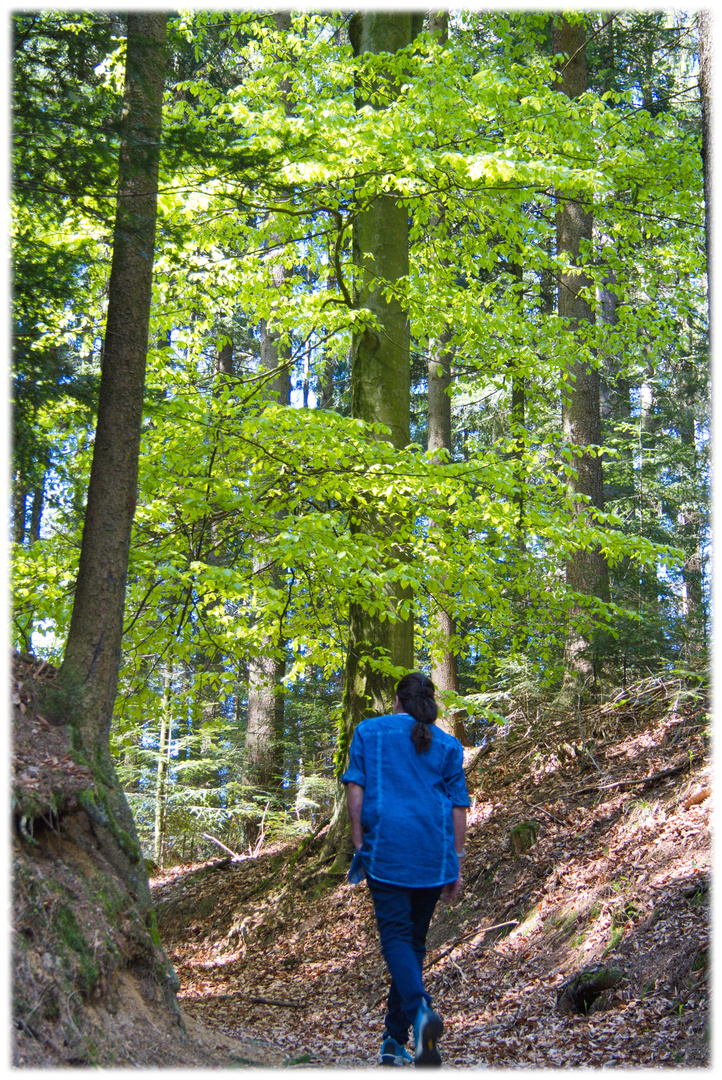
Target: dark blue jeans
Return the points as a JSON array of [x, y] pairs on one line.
[[403, 916]]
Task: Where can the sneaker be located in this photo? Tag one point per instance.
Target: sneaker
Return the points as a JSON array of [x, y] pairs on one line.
[[428, 1027], [393, 1053]]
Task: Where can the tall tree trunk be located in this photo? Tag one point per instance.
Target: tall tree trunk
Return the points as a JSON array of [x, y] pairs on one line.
[[380, 393], [705, 93], [20, 499], [380, 374], [264, 718], [264, 726], [444, 662], [694, 567], [89, 673], [689, 513], [161, 783], [224, 361], [324, 381], [518, 417], [609, 383], [36, 508], [586, 571], [263, 758]]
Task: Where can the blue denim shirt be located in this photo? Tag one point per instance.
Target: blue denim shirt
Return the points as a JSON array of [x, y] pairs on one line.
[[408, 830]]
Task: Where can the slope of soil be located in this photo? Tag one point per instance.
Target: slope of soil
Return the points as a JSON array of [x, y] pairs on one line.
[[615, 804], [588, 847], [89, 983]]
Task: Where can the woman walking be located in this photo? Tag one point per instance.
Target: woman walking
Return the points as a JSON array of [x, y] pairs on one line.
[[407, 803]]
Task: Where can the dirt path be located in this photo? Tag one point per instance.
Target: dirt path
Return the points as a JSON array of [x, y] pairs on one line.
[[618, 876]]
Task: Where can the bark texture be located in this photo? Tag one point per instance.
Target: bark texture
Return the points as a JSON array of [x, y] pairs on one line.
[[88, 678], [444, 664], [705, 92], [93, 651], [380, 390], [380, 374], [263, 760], [586, 570]]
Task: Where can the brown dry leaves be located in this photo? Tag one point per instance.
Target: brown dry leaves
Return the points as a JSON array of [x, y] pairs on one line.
[[617, 877]]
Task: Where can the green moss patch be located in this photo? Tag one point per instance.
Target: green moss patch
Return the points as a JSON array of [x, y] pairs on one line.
[[71, 936]]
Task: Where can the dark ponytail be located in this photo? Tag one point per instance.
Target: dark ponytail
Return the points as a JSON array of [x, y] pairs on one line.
[[416, 697]]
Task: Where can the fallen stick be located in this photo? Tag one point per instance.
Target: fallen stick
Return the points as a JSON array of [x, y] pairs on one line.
[[275, 1001], [547, 812], [233, 854], [474, 933], [641, 780]]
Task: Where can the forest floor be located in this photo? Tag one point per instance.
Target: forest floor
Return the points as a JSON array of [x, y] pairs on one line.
[[615, 805]]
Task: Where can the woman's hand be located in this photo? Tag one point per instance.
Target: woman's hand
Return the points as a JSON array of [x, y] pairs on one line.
[[355, 800], [452, 889]]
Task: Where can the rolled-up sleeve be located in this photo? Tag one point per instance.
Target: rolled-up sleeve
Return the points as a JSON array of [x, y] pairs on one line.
[[356, 772], [454, 778]]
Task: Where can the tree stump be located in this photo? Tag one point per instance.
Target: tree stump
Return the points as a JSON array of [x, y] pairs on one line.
[[524, 836], [583, 991]]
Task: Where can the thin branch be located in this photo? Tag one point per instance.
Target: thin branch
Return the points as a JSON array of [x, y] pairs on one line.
[[275, 1001], [234, 854], [587, 41], [584, 741], [337, 257], [547, 812], [636, 782], [141, 606], [474, 933]]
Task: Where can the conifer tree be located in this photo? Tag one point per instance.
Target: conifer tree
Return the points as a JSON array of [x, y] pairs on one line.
[[88, 676]]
